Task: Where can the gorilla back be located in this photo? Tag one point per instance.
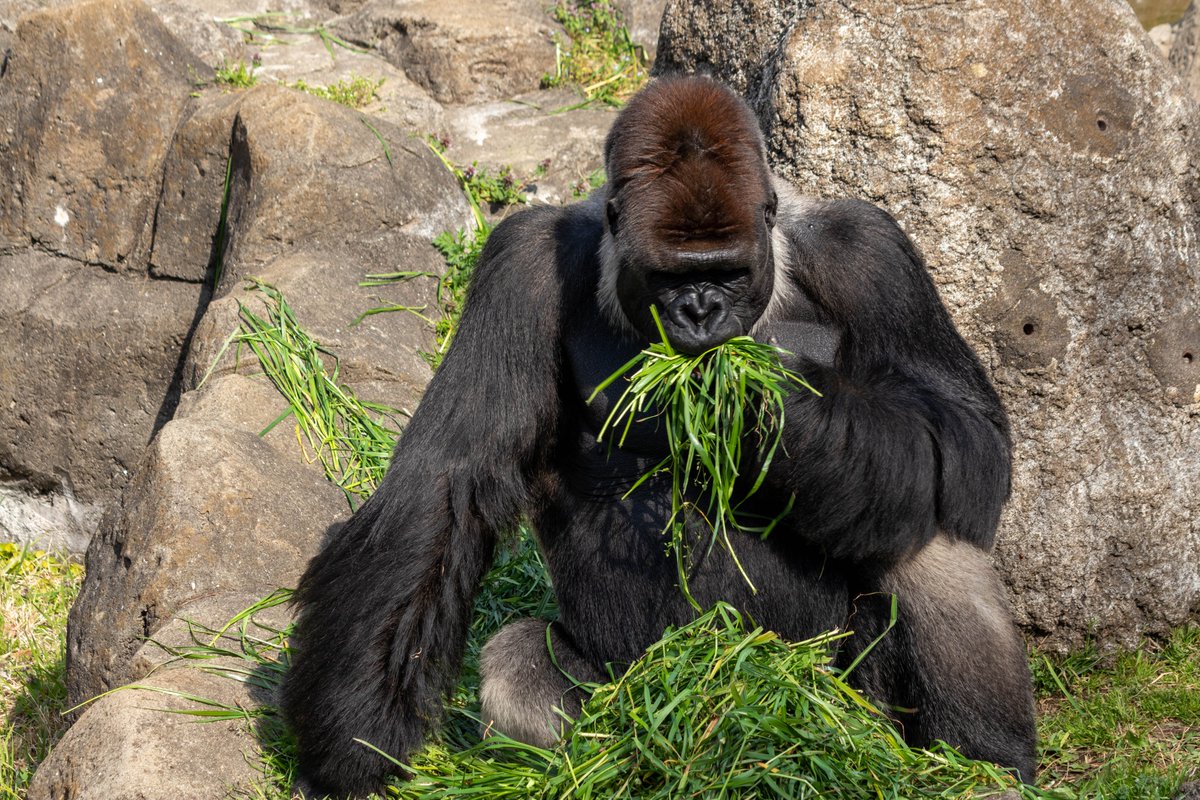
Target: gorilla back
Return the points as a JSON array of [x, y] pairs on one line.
[[899, 469]]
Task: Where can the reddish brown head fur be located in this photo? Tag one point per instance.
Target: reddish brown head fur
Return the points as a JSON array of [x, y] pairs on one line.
[[685, 162]]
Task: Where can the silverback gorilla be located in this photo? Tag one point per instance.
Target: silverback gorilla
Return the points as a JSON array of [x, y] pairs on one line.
[[899, 470]]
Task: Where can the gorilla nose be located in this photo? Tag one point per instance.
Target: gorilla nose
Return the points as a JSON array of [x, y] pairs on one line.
[[699, 306], [699, 316]]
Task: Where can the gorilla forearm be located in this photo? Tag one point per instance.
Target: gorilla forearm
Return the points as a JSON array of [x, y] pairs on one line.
[[909, 438], [394, 591], [385, 607]]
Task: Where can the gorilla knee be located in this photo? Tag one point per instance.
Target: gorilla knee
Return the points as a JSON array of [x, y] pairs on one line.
[[955, 657], [529, 692]]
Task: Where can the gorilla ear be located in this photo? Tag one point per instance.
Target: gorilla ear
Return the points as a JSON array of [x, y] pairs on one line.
[[612, 211], [769, 210]]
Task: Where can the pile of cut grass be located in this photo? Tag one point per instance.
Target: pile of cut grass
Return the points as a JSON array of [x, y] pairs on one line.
[[714, 710], [36, 591]]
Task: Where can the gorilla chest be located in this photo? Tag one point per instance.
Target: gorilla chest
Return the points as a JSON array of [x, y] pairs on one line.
[[594, 352]]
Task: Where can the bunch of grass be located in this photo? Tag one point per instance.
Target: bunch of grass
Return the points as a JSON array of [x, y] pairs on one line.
[[352, 92], [711, 404], [714, 710], [602, 59], [352, 438]]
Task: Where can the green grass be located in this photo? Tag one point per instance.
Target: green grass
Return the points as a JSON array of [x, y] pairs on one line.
[[1125, 727], [353, 439], [269, 28], [36, 591], [601, 58], [716, 709], [353, 92], [237, 74]]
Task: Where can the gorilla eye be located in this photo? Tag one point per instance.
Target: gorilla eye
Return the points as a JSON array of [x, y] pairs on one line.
[[769, 210], [610, 210]]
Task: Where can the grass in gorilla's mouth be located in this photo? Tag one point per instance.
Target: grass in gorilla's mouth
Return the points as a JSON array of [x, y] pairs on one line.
[[712, 404]]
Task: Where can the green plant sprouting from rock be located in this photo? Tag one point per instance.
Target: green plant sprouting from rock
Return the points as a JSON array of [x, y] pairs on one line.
[[237, 74], [353, 92], [601, 59]]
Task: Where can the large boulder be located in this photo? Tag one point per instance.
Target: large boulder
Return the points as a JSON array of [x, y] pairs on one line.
[[90, 344], [141, 742], [105, 68], [87, 361], [1048, 163], [317, 200], [214, 509]]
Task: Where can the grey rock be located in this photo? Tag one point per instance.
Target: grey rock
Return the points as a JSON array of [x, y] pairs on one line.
[[460, 52], [11, 11], [187, 228], [108, 68], [135, 745], [529, 129], [52, 520], [399, 101], [1163, 37], [304, 173], [214, 508], [213, 42], [1048, 166], [1184, 54], [1189, 791], [643, 19], [88, 359], [310, 174]]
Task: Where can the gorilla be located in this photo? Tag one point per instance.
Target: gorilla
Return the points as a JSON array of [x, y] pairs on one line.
[[896, 472]]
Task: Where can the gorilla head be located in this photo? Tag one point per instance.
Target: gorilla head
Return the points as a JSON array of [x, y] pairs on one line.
[[689, 215]]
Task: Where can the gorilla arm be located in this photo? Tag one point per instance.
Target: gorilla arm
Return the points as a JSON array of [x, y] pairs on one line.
[[385, 607], [909, 437]]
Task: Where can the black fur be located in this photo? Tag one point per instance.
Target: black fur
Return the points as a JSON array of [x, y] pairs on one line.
[[899, 470]]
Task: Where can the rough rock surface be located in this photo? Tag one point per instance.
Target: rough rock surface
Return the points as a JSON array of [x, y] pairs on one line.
[[128, 746], [1185, 49], [528, 129], [87, 360], [208, 484], [107, 67], [1049, 166], [459, 52]]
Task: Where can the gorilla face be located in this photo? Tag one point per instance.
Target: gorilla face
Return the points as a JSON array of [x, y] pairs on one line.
[[706, 288], [689, 213]]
